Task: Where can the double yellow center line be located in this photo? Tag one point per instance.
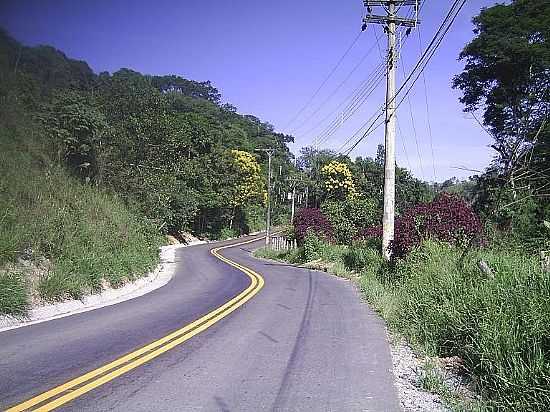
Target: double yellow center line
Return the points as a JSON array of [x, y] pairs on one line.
[[74, 388]]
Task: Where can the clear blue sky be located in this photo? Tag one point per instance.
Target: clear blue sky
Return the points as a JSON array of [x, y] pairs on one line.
[[267, 58]]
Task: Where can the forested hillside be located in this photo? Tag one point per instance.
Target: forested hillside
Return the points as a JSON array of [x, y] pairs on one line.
[[94, 168], [163, 143]]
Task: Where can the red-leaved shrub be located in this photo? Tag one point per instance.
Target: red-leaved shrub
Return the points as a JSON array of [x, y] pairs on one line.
[[311, 220], [448, 218]]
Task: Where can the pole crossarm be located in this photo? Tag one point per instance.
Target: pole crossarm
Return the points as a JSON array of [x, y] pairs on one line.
[[373, 3], [391, 17], [399, 21]]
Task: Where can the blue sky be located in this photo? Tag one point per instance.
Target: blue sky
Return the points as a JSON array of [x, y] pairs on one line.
[[267, 59]]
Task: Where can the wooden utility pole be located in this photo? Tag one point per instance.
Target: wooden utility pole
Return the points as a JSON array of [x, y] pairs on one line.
[[269, 153], [293, 203], [390, 21], [293, 207], [293, 197]]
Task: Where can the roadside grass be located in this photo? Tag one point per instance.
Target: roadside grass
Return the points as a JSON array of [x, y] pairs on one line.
[[445, 305], [13, 294], [89, 237], [290, 256], [499, 324], [432, 380]]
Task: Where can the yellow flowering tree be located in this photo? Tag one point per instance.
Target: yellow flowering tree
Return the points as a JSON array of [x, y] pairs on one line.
[[338, 181], [250, 186]]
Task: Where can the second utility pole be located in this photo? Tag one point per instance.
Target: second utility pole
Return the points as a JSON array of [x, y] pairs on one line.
[[391, 21], [269, 153]]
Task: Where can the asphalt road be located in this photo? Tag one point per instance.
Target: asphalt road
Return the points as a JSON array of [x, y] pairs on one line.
[[305, 342]]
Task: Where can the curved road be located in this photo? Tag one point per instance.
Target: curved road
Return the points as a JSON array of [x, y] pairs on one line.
[[305, 342]]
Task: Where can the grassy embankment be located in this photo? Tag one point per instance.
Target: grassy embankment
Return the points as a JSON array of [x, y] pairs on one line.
[[60, 238], [440, 300]]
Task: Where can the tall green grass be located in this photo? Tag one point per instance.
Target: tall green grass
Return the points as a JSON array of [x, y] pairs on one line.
[[13, 294], [89, 236], [499, 325]]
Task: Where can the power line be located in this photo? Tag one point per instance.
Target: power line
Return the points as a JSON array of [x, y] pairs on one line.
[[421, 64], [357, 98], [338, 87], [335, 125], [353, 97], [374, 117], [413, 124], [403, 144], [429, 122], [324, 81], [352, 108]]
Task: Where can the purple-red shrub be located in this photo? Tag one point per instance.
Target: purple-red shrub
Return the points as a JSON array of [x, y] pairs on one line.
[[311, 220], [373, 232], [448, 218]]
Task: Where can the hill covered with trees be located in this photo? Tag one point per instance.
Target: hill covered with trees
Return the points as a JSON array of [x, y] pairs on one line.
[[95, 167]]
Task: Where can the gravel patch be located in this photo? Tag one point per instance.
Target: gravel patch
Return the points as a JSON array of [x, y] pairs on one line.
[[408, 369]]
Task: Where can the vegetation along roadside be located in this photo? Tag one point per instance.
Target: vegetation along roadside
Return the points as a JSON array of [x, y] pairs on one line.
[[469, 278]]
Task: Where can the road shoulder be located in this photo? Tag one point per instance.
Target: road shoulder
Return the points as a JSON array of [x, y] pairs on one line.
[[156, 279]]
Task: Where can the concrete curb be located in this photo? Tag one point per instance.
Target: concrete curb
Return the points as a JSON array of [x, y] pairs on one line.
[[157, 278]]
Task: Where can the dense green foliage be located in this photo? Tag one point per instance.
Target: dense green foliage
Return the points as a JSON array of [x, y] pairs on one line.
[[95, 167], [349, 193], [367, 176], [162, 143], [71, 237], [507, 77], [14, 298], [349, 216], [499, 324]]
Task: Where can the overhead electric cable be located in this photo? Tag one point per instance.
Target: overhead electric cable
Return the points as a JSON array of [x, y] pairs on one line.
[[352, 108], [421, 64], [352, 97], [413, 124], [402, 140], [331, 129], [428, 120], [304, 107], [338, 87]]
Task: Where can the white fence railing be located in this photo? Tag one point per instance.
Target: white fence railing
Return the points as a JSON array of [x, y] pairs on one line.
[[281, 243]]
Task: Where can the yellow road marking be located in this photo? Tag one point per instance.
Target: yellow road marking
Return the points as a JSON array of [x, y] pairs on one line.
[[132, 360]]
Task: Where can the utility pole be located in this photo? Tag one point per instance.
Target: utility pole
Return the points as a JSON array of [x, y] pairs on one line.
[[269, 153], [293, 207], [293, 194], [390, 21], [293, 202]]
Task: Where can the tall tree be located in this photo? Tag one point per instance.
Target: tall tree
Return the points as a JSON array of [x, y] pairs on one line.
[[507, 76]]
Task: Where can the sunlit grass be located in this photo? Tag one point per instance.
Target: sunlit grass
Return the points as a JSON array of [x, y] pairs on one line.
[[90, 237]]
